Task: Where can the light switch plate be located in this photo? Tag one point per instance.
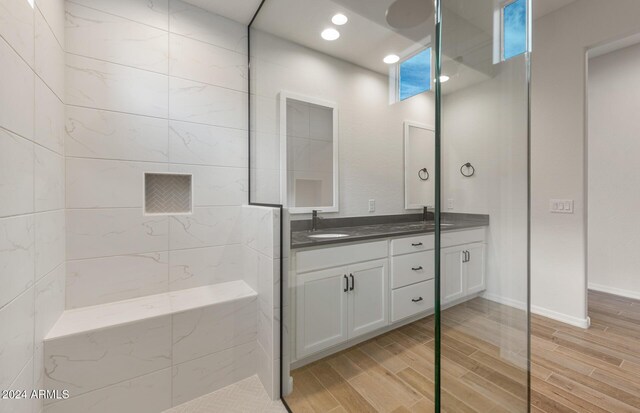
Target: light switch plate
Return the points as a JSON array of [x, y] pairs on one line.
[[372, 205], [561, 206], [450, 203]]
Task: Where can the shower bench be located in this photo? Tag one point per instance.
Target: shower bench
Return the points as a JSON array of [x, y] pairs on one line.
[[102, 350]]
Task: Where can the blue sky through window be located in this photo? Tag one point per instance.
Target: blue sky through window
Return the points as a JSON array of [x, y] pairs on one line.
[[415, 74], [515, 28]]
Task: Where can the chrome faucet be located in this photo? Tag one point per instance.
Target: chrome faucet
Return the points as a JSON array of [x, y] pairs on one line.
[[425, 214], [314, 220]]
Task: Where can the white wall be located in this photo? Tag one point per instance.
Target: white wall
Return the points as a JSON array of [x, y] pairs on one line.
[[32, 221], [486, 124], [613, 178], [370, 129], [560, 41]]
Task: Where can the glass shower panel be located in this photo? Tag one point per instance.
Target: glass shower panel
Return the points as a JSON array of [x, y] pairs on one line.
[[345, 126], [484, 139]]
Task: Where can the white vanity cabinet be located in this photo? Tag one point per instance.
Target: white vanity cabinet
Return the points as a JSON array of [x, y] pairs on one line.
[[349, 290], [341, 303], [321, 310], [462, 265], [367, 308], [463, 272], [451, 267]]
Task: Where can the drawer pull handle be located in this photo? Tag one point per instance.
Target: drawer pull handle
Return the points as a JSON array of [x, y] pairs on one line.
[[346, 283], [418, 244], [353, 282], [417, 268], [417, 300]]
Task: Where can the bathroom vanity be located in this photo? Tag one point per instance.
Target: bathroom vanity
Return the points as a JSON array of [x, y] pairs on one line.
[[353, 283]]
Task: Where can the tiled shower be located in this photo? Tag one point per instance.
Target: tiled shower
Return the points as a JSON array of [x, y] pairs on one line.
[[132, 269]]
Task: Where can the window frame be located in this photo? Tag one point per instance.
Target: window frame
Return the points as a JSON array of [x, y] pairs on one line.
[[399, 76], [527, 48]]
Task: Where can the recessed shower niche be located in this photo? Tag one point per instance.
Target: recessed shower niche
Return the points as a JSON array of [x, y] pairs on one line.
[[168, 193]]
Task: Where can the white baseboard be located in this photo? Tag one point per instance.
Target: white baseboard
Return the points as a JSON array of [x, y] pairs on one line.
[[563, 318], [615, 291], [520, 305]]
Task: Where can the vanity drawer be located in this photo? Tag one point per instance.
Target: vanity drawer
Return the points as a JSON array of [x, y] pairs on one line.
[[412, 244], [411, 300], [412, 268], [450, 239], [316, 259]]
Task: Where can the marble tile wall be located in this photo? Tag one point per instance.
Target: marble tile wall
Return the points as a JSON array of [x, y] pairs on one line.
[[32, 218], [93, 94], [152, 86], [262, 258]]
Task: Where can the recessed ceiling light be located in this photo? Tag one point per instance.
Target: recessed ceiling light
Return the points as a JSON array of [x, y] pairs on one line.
[[339, 19], [391, 59], [444, 78], [330, 34]]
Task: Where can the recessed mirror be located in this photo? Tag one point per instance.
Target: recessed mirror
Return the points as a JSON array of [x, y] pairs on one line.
[[309, 159], [419, 165]]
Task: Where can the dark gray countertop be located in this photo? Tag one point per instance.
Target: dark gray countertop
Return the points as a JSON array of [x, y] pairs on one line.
[[451, 222]]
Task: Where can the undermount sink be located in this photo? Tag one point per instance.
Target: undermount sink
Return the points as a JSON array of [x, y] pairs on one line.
[[328, 236]]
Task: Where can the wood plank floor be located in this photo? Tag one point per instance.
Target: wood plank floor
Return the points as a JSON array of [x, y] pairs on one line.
[[483, 348]]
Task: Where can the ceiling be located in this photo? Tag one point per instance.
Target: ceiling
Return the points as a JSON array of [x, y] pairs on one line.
[[243, 10], [544, 7], [367, 38]]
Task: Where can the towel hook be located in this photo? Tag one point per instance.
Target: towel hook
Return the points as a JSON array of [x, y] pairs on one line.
[[423, 174], [468, 166]]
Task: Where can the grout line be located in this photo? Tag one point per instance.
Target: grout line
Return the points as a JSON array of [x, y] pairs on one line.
[[153, 252], [168, 30], [151, 216], [159, 162], [32, 359], [10, 46], [119, 16], [157, 73], [154, 162], [172, 319], [49, 25], [20, 294], [33, 141], [109, 385], [170, 119], [117, 63], [49, 87], [33, 349]]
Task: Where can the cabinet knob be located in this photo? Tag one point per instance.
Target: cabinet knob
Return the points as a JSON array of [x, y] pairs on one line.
[[417, 300]]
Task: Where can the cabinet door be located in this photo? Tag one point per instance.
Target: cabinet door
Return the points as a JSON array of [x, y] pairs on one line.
[[453, 285], [368, 297], [474, 268], [321, 301]]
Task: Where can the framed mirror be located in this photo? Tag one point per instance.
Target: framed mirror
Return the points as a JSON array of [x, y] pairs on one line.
[[419, 165], [308, 153]]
